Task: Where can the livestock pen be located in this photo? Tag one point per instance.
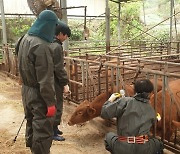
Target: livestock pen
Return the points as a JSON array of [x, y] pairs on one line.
[[93, 71], [92, 74]]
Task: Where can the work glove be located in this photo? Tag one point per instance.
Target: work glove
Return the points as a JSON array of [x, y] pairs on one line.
[[122, 93], [158, 117], [66, 89], [51, 110], [114, 96]]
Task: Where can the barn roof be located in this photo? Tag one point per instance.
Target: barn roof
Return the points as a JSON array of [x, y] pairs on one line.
[[94, 7]]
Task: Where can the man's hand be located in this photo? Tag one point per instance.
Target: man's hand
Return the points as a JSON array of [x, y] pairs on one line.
[[114, 96], [51, 110], [122, 93], [66, 89]]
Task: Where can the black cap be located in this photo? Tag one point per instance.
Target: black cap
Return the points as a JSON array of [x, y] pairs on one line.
[[143, 85], [63, 28]]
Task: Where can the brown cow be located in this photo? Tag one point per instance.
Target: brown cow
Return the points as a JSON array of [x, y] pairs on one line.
[[89, 110], [129, 90], [159, 84], [176, 124], [172, 109]]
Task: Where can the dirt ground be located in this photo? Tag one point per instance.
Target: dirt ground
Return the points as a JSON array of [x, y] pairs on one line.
[[85, 139]]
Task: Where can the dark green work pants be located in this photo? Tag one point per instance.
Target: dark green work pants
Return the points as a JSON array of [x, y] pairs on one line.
[[59, 105], [39, 128]]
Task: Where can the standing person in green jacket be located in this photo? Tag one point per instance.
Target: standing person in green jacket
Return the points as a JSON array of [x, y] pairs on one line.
[[135, 117], [36, 69], [62, 32]]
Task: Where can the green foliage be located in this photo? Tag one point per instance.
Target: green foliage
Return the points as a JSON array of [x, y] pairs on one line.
[[76, 34], [131, 24], [162, 35], [77, 28], [99, 32], [20, 31], [17, 27]]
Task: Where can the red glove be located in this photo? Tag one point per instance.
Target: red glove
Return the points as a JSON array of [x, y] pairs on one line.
[[51, 110]]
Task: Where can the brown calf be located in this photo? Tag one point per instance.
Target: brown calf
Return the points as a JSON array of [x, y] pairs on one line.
[[88, 110]]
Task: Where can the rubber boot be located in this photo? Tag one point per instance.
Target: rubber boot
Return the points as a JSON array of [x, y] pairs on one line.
[[57, 131], [56, 136]]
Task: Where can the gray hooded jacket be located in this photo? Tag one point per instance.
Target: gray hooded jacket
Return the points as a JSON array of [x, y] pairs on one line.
[[35, 57]]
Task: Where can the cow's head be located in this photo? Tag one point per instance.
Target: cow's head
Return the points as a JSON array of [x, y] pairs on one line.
[[83, 113]]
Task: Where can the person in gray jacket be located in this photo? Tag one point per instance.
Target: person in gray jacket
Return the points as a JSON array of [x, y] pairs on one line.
[[35, 62], [62, 32], [135, 117]]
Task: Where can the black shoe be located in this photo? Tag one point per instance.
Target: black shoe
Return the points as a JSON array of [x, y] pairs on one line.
[[59, 132], [58, 138]]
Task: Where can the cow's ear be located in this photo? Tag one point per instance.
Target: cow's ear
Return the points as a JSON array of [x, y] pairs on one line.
[[91, 111]]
